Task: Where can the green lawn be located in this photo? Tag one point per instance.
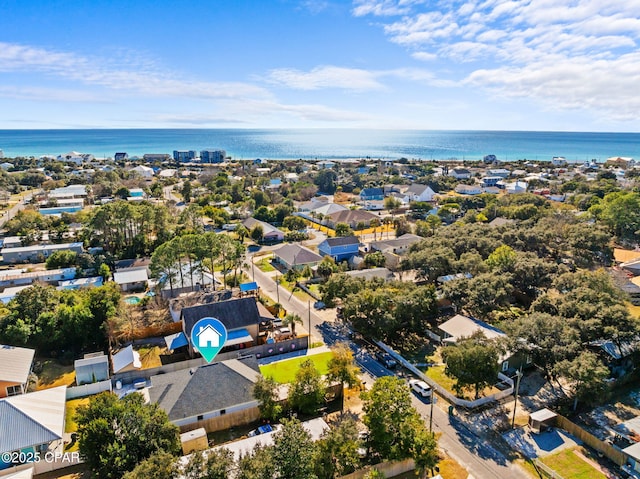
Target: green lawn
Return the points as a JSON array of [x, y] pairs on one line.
[[264, 265], [73, 404], [437, 374], [285, 371], [570, 466]]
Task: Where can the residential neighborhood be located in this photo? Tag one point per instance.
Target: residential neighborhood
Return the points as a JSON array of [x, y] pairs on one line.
[[416, 318]]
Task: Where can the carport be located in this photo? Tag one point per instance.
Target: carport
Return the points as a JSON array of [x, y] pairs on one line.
[[542, 420]]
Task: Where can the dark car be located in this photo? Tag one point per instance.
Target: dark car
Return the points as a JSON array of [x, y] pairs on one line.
[[386, 360], [319, 305]]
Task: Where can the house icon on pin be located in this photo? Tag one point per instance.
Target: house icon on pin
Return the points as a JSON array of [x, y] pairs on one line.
[[208, 337]]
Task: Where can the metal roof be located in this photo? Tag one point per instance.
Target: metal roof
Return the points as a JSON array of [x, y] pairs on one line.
[[175, 341], [124, 358], [42, 247], [16, 363], [130, 276], [32, 419]]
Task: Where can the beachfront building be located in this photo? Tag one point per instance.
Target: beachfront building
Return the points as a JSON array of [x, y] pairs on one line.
[[156, 157], [212, 156], [185, 155], [121, 156]]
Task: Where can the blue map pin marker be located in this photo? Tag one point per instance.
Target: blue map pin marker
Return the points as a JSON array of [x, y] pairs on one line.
[[208, 337]]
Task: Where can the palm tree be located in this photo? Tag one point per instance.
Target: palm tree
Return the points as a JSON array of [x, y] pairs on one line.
[[290, 320]]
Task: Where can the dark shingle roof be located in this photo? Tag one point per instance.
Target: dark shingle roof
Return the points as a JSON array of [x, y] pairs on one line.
[[342, 241], [234, 314], [187, 393], [349, 216]]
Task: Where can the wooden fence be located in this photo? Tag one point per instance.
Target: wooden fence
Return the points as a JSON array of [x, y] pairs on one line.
[[611, 452], [389, 469], [546, 470]]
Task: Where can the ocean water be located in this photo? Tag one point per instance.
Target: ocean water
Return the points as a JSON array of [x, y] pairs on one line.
[[327, 143]]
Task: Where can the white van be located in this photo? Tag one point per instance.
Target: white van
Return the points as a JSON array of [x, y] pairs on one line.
[[420, 387]]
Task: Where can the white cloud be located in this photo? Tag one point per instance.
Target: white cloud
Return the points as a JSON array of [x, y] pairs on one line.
[[140, 78], [326, 77], [424, 56], [383, 8], [566, 54]]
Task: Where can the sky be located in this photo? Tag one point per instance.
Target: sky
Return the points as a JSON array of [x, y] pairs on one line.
[[565, 65]]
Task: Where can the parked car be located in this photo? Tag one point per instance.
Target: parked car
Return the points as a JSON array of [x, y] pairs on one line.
[[420, 388], [319, 305], [284, 333], [386, 360]]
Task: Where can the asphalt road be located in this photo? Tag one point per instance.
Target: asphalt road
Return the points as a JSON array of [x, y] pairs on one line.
[[11, 212], [475, 454]]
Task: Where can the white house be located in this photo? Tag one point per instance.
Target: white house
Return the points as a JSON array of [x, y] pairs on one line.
[[517, 187], [418, 192], [208, 337], [460, 173], [144, 171], [468, 189]]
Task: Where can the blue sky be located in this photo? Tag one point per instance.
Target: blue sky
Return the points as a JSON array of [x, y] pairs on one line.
[[422, 64]]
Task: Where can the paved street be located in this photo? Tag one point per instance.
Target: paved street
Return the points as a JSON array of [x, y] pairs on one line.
[[475, 454], [11, 212]]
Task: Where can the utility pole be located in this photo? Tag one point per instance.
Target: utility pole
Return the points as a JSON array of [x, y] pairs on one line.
[[253, 272], [433, 401], [515, 401], [277, 289], [309, 308]]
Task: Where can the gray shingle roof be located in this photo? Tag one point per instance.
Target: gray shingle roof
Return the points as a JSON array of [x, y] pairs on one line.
[[296, 254], [188, 393], [342, 241], [234, 314]]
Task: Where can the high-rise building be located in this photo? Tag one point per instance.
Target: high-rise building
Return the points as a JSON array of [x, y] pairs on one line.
[[212, 156], [184, 155]]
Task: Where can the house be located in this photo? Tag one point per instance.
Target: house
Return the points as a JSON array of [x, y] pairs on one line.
[[620, 162], [240, 317], [71, 191], [144, 171], [121, 156], [32, 423], [9, 293], [37, 253], [294, 256], [151, 157], [501, 172], [270, 233], [326, 209], [516, 187], [216, 396], [208, 337], [369, 274], [315, 427], [460, 327], [351, 218], [418, 192], [183, 279], [11, 278], [340, 248], [394, 249], [460, 173], [75, 157], [16, 367], [80, 283], [93, 367], [167, 173], [491, 180], [559, 161], [371, 194], [326, 164], [132, 279], [126, 360], [468, 189], [6, 165]]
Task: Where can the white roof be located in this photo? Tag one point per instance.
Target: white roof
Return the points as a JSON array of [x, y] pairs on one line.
[[462, 327], [124, 358], [542, 415], [42, 247], [315, 427], [633, 451], [16, 363], [131, 276]]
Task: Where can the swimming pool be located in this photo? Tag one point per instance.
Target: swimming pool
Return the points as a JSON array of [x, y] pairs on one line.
[[132, 300]]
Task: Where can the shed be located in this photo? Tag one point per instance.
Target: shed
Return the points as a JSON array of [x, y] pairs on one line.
[[92, 368], [542, 420], [195, 440], [131, 279]]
